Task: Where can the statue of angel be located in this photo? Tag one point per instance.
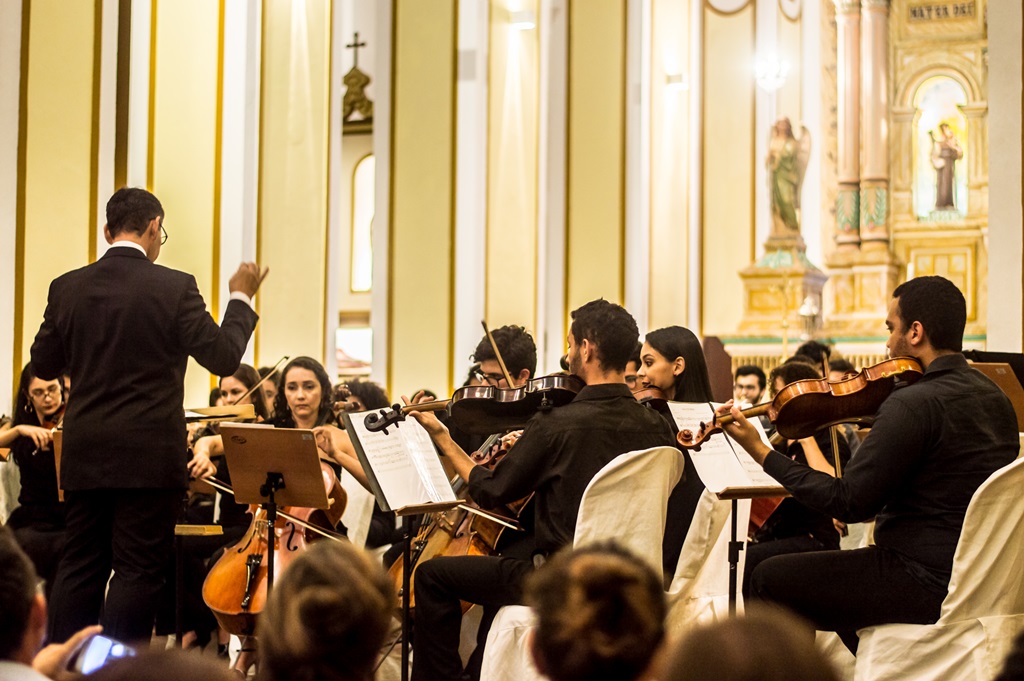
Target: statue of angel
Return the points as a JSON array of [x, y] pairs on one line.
[[786, 161]]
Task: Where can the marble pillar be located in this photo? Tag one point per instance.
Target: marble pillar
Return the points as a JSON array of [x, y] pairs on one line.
[[848, 76], [874, 110]]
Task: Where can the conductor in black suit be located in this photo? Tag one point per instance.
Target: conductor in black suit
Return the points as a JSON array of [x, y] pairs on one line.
[[124, 328]]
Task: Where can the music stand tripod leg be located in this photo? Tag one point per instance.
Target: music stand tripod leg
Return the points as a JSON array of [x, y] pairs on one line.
[[275, 482], [735, 546], [406, 582]]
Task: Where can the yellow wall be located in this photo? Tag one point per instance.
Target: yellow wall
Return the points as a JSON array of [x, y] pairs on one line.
[[670, 166], [59, 171], [183, 148], [420, 310], [292, 231], [595, 200], [513, 81], [728, 191]]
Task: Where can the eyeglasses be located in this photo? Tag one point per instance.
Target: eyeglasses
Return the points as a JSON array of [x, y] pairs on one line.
[[492, 379], [163, 233], [40, 393]]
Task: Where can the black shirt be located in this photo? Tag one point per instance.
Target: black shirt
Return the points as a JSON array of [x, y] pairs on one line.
[[561, 450], [38, 500], [932, 445]]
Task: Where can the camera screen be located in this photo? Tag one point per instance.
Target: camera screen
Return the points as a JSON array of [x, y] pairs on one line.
[[99, 651]]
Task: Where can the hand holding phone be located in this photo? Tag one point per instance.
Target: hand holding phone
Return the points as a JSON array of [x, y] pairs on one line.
[[53, 660], [97, 651]]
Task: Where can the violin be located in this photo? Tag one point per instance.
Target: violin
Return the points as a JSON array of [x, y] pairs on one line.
[[484, 409], [652, 397], [804, 407], [236, 586]]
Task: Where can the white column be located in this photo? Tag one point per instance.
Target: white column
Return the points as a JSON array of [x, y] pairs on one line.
[[551, 176], [471, 182], [766, 112], [240, 144], [382, 210], [848, 77], [638, 160], [10, 98], [810, 105], [1005, 21], [874, 110], [107, 124], [138, 94]]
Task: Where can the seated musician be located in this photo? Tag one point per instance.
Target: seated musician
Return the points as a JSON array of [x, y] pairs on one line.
[[38, 521], [793, 527], [556, 457], [931, 446], [672, 361]]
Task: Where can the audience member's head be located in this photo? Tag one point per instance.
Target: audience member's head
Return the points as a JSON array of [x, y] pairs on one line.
[[327, 616], [765, 644], [600, 614], [23, 624], [164, 665]]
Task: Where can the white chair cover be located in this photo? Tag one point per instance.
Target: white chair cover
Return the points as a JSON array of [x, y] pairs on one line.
[[699, 592], [626, 501], [984, 608]]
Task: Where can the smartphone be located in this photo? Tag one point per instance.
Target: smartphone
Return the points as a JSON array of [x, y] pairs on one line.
[[97, 651]]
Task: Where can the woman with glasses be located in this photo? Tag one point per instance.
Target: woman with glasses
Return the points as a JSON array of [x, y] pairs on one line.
[[38, 522]]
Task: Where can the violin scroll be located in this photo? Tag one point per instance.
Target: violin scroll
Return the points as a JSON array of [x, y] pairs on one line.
[[387, 418]]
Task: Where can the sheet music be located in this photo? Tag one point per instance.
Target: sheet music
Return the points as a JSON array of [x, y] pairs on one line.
[[403, 462], [721, 463]]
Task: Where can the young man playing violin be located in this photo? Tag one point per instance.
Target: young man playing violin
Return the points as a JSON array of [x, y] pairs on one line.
[[556, 457], [931, 446]]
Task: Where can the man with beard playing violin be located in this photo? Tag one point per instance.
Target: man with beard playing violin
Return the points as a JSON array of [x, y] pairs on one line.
[[931, 446], [556, 457]]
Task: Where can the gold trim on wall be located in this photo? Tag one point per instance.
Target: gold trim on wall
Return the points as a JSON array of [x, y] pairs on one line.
[[623, 161], [568, 161], [20, 207], [390, 312], [452, 247], [702, 134], [325, 310], [123, 89], [151, 114], [491, 21], [259, 170], [94, 140], [536, 164], [753, 143], [218, 162]]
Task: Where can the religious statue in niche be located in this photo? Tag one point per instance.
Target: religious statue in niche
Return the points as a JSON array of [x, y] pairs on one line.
[[786, 162], [946, 152]]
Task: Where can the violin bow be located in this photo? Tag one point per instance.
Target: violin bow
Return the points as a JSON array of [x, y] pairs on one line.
[[497, 353], [832, 429], [251, 390]]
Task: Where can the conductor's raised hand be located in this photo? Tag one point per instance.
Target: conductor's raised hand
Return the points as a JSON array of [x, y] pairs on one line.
[[247, 278]]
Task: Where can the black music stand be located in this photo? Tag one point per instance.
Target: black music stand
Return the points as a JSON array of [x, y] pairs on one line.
[[274, 467]]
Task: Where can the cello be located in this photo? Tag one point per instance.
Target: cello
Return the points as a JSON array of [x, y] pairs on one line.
[[236, 586]]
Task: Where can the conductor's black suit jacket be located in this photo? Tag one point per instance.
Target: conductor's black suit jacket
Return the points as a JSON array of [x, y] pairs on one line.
[[123, 328]]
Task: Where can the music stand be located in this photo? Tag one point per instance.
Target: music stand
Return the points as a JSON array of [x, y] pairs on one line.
[[274, 467]]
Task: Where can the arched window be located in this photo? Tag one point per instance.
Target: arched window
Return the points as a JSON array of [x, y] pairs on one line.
[[940, 150], [362, 224]]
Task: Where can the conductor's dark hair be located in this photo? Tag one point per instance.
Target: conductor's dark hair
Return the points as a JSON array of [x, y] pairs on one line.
[[938, 305], [130, 209], [693, 385], [610, 328], [17, 592], [753, 370], [283, 415], [516, 346]]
